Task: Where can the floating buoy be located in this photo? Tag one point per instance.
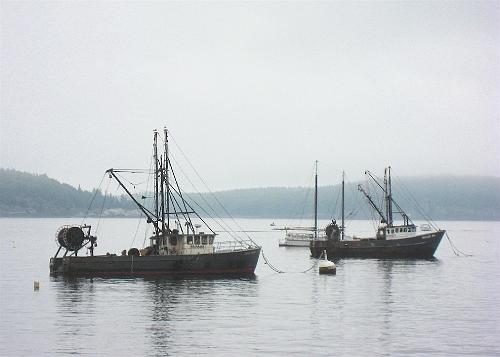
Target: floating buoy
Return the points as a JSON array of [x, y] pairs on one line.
[[326, 266], [36, 285]]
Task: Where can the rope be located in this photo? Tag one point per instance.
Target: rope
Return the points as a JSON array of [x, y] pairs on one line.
[[102, 207], [92, 201], [223, 225], [297, 213], [279, 271], [270, 265], [456, 251]]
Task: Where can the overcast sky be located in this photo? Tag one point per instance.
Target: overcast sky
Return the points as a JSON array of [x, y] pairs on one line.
[[253, 92]]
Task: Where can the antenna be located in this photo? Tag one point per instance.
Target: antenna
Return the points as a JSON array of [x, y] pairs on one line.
[[316, 200]]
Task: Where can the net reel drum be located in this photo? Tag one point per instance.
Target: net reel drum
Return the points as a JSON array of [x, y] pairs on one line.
[[73, 238]]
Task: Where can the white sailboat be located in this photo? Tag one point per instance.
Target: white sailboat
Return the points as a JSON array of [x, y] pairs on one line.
[[302, 236]]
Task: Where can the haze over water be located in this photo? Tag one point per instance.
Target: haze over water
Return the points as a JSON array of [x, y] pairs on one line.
[[447, 306], [252, 91]]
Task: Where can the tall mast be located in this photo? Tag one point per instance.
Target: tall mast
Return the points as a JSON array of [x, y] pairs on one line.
[[316, 201], [162, 195], [388, 195], [342, 228], [155, 157], [167, 180]]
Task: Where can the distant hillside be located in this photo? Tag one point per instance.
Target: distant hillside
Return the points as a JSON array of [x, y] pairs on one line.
[[442, 198], [29, 195]]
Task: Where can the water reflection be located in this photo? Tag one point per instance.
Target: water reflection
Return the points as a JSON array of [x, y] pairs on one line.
[[184, 309], [166, 313], [74, 309], [392, 297]]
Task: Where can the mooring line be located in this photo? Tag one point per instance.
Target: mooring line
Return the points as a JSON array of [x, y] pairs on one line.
[[455, 249], [279, 271]]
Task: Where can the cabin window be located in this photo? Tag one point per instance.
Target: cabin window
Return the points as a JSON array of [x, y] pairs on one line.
[[396, 230], [196, 240], [211, 239], [392, 230], [405, 229], [189, 239], [204, 240]]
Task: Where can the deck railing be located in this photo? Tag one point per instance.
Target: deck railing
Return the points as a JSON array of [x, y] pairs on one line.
[[232, 245]]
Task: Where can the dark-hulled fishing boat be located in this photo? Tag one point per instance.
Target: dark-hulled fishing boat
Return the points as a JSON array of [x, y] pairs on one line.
[[390, 241], [183, 250]]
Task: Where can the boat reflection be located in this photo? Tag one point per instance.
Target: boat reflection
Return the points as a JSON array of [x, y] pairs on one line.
[[163, 314]]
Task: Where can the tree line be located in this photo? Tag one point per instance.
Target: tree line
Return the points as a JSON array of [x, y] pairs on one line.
[[445, 197]]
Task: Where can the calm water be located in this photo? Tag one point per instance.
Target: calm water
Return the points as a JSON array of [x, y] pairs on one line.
[[449, 306]]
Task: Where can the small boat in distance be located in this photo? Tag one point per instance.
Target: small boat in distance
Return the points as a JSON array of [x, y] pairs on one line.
[[390, 241], [302, 236], [177, 246]]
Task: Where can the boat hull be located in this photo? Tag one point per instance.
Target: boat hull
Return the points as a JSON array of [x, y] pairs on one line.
[[241, 262], [421, 246]]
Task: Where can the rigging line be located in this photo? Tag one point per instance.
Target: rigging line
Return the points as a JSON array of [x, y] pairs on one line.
[[146, 233], [371, 213], [138, 183], [210, 191], [454, 248], [174, 203], [419, 208], [306, 199], [195, 188], [334, 211], [144, 204], [180, 194], [150, 202], [299, 206], [218, 221], [102, 207], [239, 240], [132, 171], [227, 213], [137, 229], [130, 182], [139, 221], [202, 209], [93, 198], [222, 225], [206, 202]]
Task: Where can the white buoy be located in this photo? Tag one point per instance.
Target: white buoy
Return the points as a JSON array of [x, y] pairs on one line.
[[36, 285], [326, 266]]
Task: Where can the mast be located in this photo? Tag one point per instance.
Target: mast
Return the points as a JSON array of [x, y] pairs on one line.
[[167, 180], [388, 197], [162, 195], [389, 201], [155, 157], [316, 201], [342, 228]]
